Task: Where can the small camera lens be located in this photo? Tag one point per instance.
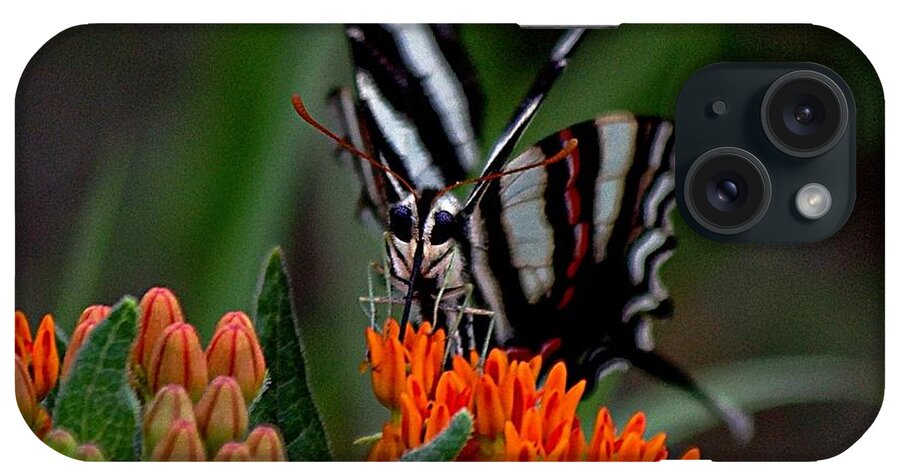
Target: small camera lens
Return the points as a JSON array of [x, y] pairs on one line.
[[804, 113], [727, 190]]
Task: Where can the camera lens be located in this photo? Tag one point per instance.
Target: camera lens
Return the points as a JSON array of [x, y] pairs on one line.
[[727, 190], [804, 113]]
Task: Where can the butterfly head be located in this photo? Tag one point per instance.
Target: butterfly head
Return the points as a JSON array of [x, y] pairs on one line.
[[432, 223]]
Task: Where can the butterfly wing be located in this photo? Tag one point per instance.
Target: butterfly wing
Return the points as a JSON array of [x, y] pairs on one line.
[[572, 251], [418, 108]]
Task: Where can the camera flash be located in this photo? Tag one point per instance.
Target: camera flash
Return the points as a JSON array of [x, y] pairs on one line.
[[813, 201]]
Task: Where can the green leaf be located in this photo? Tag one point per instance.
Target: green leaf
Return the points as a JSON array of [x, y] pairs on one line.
[[286, 401], [95, 402], [755, 385], [447, 445]]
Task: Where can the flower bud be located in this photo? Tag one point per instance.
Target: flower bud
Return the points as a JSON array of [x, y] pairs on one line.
[[90, 318], [61, 441], [222, 413], [180, 443], [159, 309], [178, 358], [235, 317], [97, 312], [25, 396], [45, 358], [265, 444], [88, 452], [235, 351], [172, 403], [233, 451], [23, 338]]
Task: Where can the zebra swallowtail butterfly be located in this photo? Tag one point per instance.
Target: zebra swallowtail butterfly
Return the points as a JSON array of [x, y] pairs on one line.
[[565, 253]]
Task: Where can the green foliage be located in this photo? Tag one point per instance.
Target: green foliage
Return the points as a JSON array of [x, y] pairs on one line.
[[95, 402], [447, 445], [286, 401]]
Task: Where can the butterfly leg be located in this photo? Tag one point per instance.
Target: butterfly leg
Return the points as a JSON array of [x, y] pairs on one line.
[[739, 423]]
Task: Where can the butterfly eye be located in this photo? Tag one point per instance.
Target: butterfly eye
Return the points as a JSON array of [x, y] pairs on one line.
[[401, 223], [444, 227]]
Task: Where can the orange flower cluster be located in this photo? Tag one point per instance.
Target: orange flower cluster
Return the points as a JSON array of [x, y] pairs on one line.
[[168, 351], [176, 430], [514, 419], [37, 370], [198, 399], [195, 401]]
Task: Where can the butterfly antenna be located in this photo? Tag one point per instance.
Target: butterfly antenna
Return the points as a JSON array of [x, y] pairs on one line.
[[566, 151], [304, 114], [503, 148]]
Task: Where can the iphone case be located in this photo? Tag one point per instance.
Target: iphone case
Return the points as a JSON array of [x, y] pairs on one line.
[[166, 161]]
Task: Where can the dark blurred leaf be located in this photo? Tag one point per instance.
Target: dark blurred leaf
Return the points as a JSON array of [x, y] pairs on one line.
[[286, 401], [95, 402], [447, 444]]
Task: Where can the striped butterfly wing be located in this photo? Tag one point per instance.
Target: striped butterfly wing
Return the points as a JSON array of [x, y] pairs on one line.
[[572, 251], [418, 109]]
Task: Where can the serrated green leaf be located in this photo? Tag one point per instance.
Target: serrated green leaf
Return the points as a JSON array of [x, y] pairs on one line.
[[95, 403], [286, 401], [447, 445]]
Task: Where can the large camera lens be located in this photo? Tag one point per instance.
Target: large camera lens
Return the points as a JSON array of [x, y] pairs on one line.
[[804, 113], [727, 190]]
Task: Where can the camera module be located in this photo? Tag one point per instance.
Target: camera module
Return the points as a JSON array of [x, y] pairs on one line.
[[727, 190], [804, 113]]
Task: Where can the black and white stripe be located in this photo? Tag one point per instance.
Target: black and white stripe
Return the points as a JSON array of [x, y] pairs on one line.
[[573, 250], [419, 102]]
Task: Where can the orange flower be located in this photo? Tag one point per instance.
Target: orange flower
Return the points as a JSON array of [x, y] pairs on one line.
[[386, 361], [235, 351], [90, 318], [180, 443], [178, 358], [39, 356], [233, 451], [23, 337], [630, 444], [159, 309], [265, 444], [514, 420], [221, 413], [25, 396]]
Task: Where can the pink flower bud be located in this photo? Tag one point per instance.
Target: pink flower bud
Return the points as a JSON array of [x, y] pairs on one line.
[[61, 441], [222, 413], [181, 443], [235, 351], [172, 403], [265, 444], [159, 309], [178, 358], [233, 451], [88, 452]]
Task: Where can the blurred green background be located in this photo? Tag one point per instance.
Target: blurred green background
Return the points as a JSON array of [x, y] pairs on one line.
[[170, 155]]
